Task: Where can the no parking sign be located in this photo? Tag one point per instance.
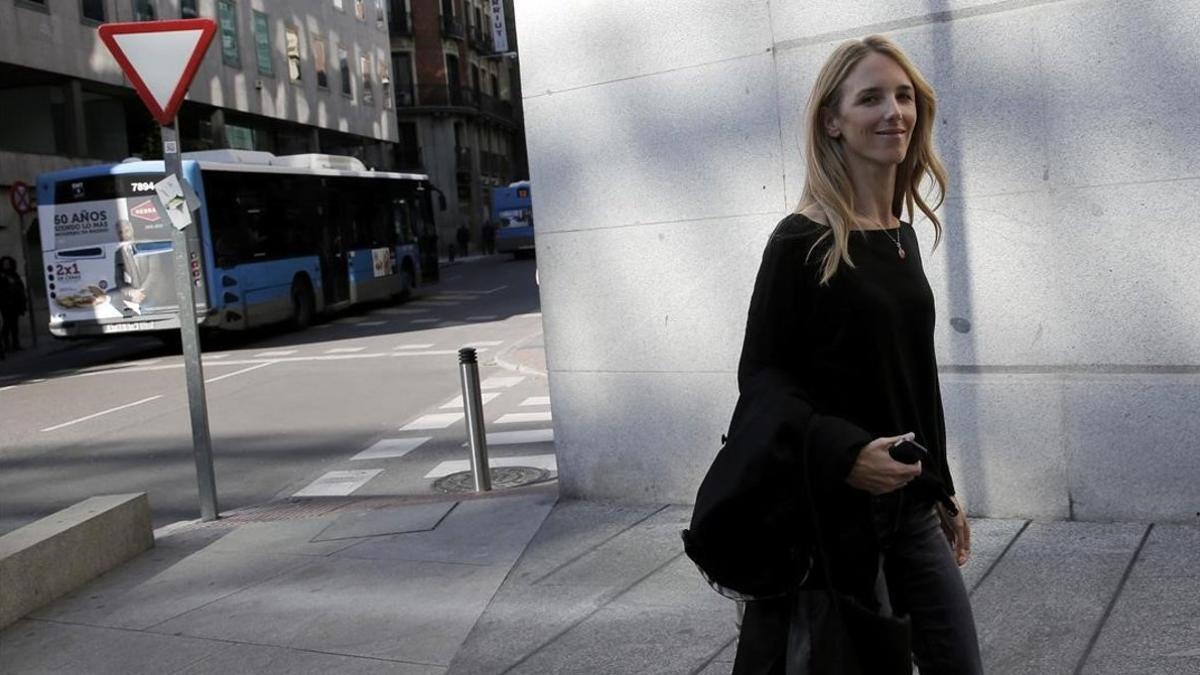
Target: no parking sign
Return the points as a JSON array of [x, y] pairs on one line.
[[21, 197]]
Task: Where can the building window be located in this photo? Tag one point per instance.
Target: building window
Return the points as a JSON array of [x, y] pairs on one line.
[[188, 9], [385, 81], [368, 88], [344, 69], [92, 9], [337, 4], [380, 17], [143, 10], [402, 71], [360, 9], [262, 43], [319, 60], [293, 53], [227, 19]]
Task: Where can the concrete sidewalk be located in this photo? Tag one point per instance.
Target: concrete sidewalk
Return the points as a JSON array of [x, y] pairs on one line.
[[524, 583]]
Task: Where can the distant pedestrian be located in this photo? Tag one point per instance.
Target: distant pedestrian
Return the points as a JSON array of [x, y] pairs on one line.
[[464, 237], [838, 378], [12, 303], [489, 237]]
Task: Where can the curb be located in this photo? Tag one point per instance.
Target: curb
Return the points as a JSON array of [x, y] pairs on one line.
[[504, 360]]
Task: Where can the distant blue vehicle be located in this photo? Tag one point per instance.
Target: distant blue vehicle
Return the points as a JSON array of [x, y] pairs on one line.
[[279, 239], [512, 209]]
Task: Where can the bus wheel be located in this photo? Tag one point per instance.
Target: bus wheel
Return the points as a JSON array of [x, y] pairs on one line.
[[303, 305]]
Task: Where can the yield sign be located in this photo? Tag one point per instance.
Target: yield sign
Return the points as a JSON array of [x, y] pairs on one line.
[[160, 58]]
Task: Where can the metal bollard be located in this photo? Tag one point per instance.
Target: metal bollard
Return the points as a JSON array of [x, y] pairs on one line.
[[473, 407]]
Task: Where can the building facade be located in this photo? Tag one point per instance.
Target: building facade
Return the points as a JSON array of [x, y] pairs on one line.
[[1067, 304], [457, 88], [286, 77]]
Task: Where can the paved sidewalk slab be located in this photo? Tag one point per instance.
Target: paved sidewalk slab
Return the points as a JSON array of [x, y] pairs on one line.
[[33, 646], [1155, 624], [1038, 609]]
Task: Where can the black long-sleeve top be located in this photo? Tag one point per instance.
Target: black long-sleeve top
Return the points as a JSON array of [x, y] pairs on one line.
[[860, 349]]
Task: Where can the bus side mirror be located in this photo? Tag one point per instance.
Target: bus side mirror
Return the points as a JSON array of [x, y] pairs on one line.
[[441, 201]]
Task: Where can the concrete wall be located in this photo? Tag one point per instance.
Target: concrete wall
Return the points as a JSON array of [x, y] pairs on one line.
[[59, 41], [664, 146]]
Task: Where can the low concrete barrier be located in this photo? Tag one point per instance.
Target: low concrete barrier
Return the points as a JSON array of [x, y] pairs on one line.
[[63, 551]]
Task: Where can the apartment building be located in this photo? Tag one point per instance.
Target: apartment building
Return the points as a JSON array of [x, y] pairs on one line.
[[458, 102]]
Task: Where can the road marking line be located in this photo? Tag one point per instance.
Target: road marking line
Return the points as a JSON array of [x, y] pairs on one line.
[[277, 352], [536, 400], [399, 310], [214, 357], [547, 462], [517, 418], [102, 412], [435, 303], [338, 483], [425, 345], [37, 381], [432, 421], [344, 350], [390, 448], [370, 323], [323, 325], [528, 316], [483, 317], [425, 320], [519, 437], [237, 372], [489, 343], [497, 382], [11, 386], [457, 402], [149, 362]]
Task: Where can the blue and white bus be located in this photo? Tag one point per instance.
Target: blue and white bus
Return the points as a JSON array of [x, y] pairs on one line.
[[512, 210], [279, 239]]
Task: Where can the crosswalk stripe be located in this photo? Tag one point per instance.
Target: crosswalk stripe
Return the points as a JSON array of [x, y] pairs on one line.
[[426, 320], [457, 401], [344, 350], [485, 343], [370, 323], [277, 352], [338, 483], [547, 462], [425, 345], [498, 382], [519, 437], [536, 400], [433, 421], [518, 418], [390, 448]]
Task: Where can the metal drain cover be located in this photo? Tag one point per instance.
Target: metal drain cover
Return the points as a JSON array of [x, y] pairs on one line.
[[502, 477]]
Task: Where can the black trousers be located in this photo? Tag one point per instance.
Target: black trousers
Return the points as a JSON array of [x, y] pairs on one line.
[[10, 330], [922, 581]]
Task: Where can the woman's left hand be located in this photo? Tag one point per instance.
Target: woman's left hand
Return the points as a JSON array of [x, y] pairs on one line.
[[957, 531]]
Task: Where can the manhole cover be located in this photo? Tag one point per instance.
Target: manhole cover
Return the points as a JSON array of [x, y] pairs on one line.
[[502, 477]]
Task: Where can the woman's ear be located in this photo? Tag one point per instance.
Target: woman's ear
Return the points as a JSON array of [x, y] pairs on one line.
[[829, 123]]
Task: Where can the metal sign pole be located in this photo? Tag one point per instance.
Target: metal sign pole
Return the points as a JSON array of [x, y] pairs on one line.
[[197, 404], [33, 327]]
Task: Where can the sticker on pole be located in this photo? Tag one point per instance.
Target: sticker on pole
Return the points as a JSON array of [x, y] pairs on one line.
[[160, 59]]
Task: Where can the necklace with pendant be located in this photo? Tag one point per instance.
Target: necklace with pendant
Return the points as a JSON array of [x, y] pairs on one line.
[[899, 248]]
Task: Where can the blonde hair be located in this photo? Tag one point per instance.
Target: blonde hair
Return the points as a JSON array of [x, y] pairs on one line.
[[827, 183]]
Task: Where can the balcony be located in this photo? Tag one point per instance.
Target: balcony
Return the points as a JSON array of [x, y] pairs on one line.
[[452, 28], [495, 107], [480, 39]]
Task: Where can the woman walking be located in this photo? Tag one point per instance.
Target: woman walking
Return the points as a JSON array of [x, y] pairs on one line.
[[842, 311]]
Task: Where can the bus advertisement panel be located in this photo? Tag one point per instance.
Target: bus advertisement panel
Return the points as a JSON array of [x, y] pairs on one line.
[[277, 239]]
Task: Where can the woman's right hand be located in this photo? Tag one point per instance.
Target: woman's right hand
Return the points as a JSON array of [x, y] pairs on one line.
[[876, 472]]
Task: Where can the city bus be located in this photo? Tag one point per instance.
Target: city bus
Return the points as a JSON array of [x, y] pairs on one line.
[[512, 210], [278, 239]]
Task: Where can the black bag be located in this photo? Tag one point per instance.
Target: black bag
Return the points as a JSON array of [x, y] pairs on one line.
[[748, 533]]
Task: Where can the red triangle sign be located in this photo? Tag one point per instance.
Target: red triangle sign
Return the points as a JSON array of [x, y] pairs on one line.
[[160, 58]]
